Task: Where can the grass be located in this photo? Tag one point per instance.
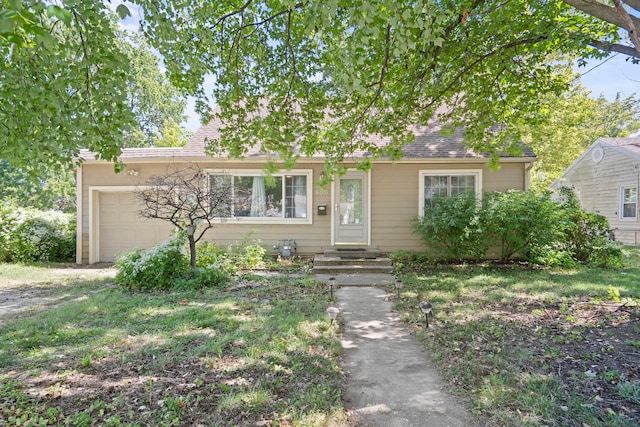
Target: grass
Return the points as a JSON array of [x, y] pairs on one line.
[[263, 355], [534, 346], [525, 347]]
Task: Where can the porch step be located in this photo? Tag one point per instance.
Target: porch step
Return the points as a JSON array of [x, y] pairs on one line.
[[324, 264], [366, 252]]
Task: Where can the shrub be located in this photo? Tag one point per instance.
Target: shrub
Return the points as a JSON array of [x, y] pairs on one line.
[[30, 235], [606, 254], [250, 253], [587, 234], [451, 228], [211, 256], [158, 268], [522, 223]]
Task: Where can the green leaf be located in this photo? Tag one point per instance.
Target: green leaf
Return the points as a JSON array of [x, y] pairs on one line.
[[123, 11], [15, 4], [59, 13]]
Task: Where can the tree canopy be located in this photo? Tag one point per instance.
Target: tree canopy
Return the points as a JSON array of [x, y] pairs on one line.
[[321, 74], [572, 123], [63, 82], [326, 75], [157, 105]]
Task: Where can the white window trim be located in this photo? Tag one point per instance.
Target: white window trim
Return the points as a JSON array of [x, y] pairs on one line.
[[259, 172], [621, 215], [446, 172]]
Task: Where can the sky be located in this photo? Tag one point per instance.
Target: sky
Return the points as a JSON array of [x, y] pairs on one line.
[[612, 75]]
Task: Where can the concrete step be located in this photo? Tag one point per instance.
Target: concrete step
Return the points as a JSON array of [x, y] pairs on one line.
[[352, 269], [324, 260], [357, 252], [327, 264]]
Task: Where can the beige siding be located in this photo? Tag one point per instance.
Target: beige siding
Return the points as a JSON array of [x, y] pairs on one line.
[[598, 186], [394, 196]]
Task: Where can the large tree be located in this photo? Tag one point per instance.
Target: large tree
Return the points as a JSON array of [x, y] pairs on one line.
[[324, 74], [45, 189], [571, 124], [157, 105], [327, 74], [63, 82]]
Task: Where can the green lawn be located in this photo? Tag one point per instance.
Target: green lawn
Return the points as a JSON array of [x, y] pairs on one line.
[[535, 346], [522, 346], [262, 355]]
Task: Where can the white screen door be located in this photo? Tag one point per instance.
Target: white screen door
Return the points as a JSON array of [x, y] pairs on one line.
[[351, 209]]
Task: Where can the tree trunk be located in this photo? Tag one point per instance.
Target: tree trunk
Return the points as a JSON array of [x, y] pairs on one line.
[[192, 250]]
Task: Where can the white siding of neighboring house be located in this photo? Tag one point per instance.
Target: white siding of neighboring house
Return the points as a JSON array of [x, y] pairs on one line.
[[598, 185]]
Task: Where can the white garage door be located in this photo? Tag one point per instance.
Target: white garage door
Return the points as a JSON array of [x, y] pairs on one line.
[[122, 229]]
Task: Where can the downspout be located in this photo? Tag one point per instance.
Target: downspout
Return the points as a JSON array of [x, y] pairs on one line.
[[79, 214]]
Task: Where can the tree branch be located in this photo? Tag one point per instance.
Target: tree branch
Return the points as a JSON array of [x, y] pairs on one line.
[[629, 24], [614, 47], [602, 11], [634, 4], [613, 15]]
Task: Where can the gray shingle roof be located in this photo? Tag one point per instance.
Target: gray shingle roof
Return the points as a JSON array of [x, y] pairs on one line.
[[430, 143]]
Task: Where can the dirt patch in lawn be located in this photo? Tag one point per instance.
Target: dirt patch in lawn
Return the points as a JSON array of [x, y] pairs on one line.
[[593, 348], [19, 298]]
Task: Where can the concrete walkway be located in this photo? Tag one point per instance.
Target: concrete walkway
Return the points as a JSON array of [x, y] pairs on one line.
[[391, 379]]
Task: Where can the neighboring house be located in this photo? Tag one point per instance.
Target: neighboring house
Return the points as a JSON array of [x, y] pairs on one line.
[[359, 209], [606, 179]]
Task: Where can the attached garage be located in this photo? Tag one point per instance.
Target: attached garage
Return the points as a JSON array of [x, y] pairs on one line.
[[117, 227]]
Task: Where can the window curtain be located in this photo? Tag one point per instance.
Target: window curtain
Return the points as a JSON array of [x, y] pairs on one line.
[[300, 197], [258, 198]]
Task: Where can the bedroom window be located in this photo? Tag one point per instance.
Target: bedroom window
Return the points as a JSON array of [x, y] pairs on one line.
[[258, 198], [434, 184], [629, 202]]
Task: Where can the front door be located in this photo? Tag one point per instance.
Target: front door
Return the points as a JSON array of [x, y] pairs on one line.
[[351, 209]]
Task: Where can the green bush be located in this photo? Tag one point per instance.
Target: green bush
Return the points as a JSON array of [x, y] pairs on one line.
[[522, 223], [451, 228], [587, 234], [159, 268], [30, 235], [249, 253], [211, 256], [606, 254]]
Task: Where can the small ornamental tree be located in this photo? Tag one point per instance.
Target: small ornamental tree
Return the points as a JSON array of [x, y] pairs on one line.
[[184, 197]]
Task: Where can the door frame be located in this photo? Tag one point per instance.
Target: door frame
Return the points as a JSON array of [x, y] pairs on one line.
[[366, 177]]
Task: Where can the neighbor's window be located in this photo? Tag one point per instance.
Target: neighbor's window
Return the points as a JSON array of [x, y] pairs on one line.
[[256, 197], [434, 184], [629, 200]]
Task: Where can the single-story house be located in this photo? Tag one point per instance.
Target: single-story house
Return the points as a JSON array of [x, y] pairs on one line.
[[358, 209], [606, 178]]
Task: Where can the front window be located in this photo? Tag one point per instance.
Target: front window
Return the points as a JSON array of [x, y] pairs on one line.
[[629, 206], [441, 184], [265, 198]]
